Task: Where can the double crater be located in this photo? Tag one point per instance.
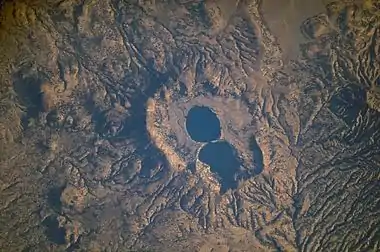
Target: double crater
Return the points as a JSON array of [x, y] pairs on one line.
[[203, 125]]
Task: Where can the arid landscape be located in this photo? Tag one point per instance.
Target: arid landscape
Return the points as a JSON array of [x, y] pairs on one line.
[[199, 125]]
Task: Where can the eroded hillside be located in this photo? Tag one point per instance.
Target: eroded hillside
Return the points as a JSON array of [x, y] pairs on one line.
[[95, 154]]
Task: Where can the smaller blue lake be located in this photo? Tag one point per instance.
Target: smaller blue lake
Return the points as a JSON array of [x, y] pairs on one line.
[[202, 124], [258, 159], [222, 159]]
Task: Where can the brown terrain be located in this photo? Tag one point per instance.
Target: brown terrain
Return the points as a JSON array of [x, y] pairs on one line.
[[95, 155]]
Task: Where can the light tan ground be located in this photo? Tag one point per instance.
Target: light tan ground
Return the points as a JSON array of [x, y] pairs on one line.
[[284, 18]]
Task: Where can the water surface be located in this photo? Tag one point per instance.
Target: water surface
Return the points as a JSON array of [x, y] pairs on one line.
[[202, 124]]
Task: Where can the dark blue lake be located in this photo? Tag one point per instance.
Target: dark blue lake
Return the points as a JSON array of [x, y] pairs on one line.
[[222, 159], [258, 159], [202, 124]]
